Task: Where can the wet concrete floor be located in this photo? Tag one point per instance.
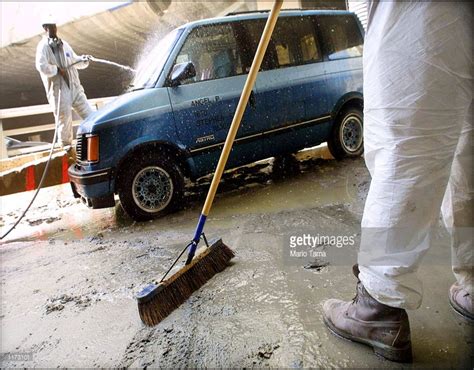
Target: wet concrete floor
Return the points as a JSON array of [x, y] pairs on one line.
[[69, 276]]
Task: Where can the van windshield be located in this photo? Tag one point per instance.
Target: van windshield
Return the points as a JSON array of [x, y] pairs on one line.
[[150, 67]]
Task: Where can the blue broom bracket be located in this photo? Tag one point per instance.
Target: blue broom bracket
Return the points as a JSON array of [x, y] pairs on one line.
[[197, 237]]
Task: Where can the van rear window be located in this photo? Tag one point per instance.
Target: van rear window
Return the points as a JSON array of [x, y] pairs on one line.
[[341, 36]]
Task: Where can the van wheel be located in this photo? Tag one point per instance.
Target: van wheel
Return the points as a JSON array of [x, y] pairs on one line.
[[347, 137], [150, 186]]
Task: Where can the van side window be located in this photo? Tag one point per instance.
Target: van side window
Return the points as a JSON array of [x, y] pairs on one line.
[[293, 42], [341, 36], [213, 51]]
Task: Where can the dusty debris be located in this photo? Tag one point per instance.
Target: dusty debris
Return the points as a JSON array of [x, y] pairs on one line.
[[61, 203], [52, 307], [39, 221], [101, 248], [266, 351], [317, 265], [58, 303]]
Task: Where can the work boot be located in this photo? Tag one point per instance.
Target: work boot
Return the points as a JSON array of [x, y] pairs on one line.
[[461, 301], [365, 320]]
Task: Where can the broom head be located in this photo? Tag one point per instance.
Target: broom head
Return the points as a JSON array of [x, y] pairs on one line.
[[156, 301]]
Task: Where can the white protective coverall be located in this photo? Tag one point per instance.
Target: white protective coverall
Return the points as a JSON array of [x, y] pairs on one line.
[[72, 96], [418, 144]]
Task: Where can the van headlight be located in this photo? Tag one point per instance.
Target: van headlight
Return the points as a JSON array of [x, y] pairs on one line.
[[92, 148]]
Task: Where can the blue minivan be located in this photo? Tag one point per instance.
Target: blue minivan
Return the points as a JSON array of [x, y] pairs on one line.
[[173, 121]]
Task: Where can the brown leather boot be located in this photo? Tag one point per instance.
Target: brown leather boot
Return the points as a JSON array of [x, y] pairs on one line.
[[370, 322]]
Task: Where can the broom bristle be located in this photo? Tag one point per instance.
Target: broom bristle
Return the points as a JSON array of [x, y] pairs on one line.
[[155, 302]]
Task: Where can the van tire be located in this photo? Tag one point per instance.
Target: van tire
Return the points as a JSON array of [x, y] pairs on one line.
[[346, 138], [138, 182]]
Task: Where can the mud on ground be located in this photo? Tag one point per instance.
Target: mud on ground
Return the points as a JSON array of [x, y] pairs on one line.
[[69, 276]]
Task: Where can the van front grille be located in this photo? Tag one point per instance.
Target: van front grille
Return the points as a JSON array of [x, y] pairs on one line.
[[81, 149]]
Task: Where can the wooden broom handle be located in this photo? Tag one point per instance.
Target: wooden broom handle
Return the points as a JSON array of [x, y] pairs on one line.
[[244, 97]]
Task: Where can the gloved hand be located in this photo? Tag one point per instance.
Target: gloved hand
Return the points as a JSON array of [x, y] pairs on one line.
[[86, 58]]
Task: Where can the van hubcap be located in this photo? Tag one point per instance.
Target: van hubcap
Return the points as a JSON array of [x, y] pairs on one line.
[[351, 133], [152, 189]]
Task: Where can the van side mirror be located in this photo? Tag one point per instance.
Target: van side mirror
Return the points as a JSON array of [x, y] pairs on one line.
[[181, 72]]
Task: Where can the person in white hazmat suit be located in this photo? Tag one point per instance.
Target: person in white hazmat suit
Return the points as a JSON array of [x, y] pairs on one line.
[[418, 149], [58, 64]]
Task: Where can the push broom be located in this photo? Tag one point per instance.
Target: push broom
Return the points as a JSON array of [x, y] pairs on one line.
[[156, 301]]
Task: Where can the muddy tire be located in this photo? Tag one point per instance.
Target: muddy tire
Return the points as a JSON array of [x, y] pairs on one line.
[[150, 186], [347, 138]]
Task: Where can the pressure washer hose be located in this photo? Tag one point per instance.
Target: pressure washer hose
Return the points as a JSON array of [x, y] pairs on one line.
[[44, 172], [103, 61]]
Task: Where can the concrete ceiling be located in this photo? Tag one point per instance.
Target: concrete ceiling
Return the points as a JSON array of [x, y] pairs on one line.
[[119, 35]]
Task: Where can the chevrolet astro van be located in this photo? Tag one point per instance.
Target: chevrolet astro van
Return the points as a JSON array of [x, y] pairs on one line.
[[174, 119]]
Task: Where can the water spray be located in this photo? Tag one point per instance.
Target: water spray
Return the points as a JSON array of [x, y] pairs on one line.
[[104, 61]]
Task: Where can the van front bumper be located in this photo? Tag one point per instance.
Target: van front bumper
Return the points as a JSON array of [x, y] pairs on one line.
[[95, 188]]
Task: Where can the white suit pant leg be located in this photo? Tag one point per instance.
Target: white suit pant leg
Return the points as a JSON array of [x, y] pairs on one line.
[[417, 89], [80, 103], [64, 118], [458, 205], [402, 208]]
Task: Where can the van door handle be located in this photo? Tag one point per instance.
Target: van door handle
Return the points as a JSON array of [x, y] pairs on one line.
[[252, 102]]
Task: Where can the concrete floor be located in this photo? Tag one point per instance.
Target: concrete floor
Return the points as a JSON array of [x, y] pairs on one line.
[[69, 276]]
